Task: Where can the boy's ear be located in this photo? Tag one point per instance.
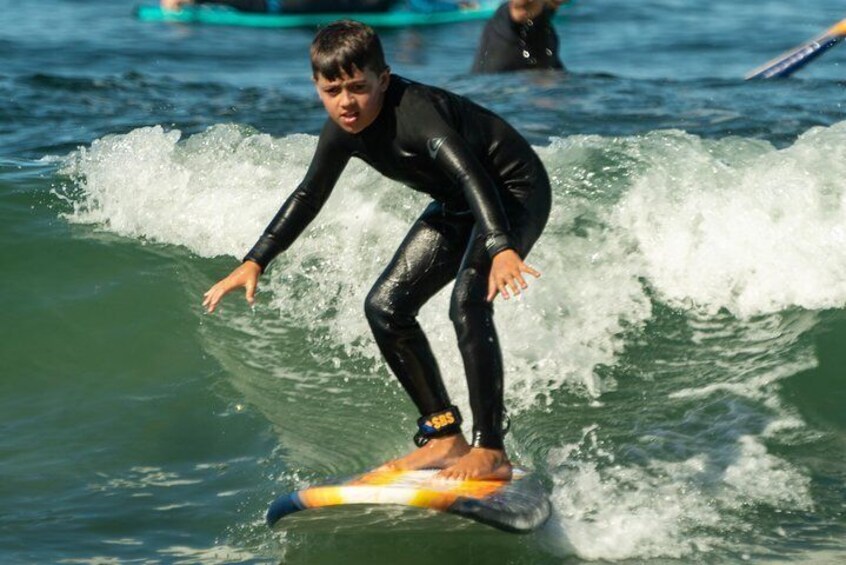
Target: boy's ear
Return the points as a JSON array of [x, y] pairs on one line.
[[384, 79]]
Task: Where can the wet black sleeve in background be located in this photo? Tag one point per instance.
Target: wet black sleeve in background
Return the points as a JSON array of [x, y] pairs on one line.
[[305, 202]]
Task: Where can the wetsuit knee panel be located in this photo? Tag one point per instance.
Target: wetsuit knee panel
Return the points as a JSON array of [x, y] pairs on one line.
[[383, 315], [377, 309]]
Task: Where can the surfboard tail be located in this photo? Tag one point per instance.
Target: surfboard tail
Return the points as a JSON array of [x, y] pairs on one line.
[[791, 61]]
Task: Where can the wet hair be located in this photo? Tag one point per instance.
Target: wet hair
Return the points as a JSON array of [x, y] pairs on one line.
[[344, 46]]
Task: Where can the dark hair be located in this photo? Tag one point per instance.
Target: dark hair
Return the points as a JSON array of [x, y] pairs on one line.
[[344, 46]]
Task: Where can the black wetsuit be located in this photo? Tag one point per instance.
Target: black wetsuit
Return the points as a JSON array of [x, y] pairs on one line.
[[509, 46], [490, 191], [304, 6]]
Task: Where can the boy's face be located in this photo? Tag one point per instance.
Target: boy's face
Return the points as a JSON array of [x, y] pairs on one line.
[[353, 101]]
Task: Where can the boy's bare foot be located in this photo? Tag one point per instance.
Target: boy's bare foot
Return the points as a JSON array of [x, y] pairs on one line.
[[438, 453], [480, 463]]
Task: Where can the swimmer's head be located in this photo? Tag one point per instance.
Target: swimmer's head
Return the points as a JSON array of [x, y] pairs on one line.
[[522, 11], [343, 46]]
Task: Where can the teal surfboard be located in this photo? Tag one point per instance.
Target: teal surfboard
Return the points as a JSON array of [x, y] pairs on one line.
[[399, 17]]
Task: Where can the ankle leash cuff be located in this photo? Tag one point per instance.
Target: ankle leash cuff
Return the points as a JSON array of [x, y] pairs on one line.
[[438, 424]]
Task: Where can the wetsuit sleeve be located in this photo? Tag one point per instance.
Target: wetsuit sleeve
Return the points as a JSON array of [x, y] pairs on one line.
[[305, 202], [453, 156]]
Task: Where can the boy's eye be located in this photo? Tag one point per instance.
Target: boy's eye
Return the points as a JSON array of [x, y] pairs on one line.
[[333, 91], [358, 88]]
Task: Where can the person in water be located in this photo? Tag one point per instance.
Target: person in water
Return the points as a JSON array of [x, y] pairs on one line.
[[490, 201], [519, 37], [290, 6]]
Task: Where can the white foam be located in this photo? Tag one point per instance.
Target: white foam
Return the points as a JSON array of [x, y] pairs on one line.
[[759, 477], [663, 507], [607, 511], [214, 192], [738, 224]]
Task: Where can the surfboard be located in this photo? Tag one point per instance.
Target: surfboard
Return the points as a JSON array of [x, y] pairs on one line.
[[520, 505], [398, 17]]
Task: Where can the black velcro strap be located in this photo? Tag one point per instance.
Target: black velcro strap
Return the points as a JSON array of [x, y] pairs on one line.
[[438, 424]]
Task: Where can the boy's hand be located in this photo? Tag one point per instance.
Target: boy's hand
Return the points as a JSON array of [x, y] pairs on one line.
[[507, 271], [245, 275]]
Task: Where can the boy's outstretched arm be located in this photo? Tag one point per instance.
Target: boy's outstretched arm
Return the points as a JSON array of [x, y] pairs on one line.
[[246, 275], [507, 268], [296, 213]]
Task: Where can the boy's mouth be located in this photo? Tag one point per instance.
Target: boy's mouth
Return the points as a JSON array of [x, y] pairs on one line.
[[349, 117]]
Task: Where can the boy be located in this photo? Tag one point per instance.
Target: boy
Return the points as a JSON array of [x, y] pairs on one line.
[[491, 199]]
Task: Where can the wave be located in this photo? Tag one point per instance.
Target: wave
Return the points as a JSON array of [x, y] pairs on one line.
[[681, 278]]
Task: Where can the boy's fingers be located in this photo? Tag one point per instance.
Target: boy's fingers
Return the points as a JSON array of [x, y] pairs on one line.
[[527, 269], [492, 290], [522, 281], [208, 297], [512, 284]]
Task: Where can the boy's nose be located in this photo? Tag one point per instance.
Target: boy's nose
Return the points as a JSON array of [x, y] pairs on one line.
[[347, 98]]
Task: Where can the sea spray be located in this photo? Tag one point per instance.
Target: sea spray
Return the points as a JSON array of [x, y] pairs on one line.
[[738, 224]]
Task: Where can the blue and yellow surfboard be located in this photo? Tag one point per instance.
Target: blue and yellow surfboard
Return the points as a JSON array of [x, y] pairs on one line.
[[520, 505]]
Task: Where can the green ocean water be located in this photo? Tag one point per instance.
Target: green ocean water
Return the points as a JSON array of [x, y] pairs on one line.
[[676, 376]]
